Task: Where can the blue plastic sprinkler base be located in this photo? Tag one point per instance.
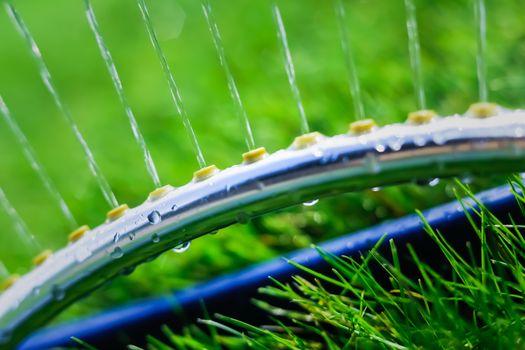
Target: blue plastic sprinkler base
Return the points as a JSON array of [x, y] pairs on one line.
[[231, 294]]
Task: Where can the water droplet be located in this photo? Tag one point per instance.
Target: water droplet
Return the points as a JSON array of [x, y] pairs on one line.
[[57, 293], [181, 248], [242, 218], [395, 144], [155, 238], [439, 138], [117, 253], [154, 217], [311, 203], [174, 207], [116, 237], [433, 182], [420, 140], [372, 164], [127, 271], [375, 189], [380, 148]]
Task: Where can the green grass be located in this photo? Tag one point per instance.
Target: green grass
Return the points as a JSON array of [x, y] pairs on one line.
[[480, 306], [378, 36]]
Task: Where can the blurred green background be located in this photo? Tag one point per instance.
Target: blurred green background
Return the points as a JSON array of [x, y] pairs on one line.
[[379, 41]]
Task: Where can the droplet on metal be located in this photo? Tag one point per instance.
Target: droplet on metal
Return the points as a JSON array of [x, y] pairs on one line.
[[154, 217], [117, 253], [181, 248], [155, 238], [243, 218], [311, 203], [57, 293]]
